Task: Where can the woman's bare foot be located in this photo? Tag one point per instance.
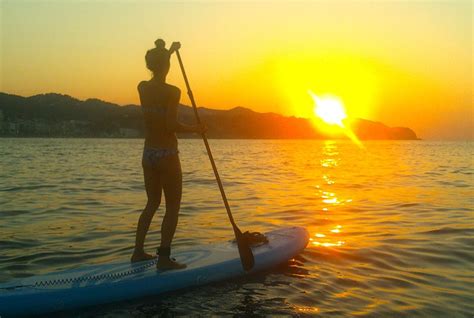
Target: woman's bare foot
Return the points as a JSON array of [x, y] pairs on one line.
[[165, 263], [138, 257]]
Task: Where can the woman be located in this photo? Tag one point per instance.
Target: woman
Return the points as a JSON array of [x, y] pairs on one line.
[[161, 165]]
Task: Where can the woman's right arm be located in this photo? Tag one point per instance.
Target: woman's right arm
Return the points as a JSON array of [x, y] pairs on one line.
[[172, 123]]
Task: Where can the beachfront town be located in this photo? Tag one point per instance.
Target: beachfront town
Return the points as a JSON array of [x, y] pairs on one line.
[[61, 128]]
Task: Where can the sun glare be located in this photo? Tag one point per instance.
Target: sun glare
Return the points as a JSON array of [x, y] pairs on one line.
[[329, 109]]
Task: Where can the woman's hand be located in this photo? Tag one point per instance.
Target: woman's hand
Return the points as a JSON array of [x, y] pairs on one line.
[[174, 47]]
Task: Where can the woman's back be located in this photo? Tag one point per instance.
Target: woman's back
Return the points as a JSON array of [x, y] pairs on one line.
[[155, 98]]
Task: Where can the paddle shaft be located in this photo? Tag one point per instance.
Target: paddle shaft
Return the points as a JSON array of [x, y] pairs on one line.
[[208, 148]]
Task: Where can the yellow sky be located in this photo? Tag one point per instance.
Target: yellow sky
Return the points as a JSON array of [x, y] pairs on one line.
[[403, 63]]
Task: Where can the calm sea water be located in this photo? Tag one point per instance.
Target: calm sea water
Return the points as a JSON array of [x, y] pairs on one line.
[[391, 226]]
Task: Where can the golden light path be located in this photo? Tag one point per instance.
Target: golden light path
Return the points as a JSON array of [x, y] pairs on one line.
[[331, 110], [321, 239]]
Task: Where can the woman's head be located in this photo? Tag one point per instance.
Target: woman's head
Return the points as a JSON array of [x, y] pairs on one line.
[[158, 59]]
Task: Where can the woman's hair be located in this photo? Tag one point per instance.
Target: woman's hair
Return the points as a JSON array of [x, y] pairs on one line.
[[158, 59]]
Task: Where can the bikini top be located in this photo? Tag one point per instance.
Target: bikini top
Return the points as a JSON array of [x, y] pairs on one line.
[[153, 109]]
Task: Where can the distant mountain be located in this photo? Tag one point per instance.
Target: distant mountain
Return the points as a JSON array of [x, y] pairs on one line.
[[59, 115]]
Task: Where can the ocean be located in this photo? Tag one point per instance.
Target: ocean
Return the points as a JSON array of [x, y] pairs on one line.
[[391, 225]]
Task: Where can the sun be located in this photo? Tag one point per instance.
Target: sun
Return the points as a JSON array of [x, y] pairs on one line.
[[330, 109]]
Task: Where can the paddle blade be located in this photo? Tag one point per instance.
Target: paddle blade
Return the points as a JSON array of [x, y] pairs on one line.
[[245, 252]]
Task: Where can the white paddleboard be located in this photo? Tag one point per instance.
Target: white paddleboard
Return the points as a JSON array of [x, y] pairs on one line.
[[106, 283]]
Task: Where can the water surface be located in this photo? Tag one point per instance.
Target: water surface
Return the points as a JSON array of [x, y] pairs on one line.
[[391, 226]]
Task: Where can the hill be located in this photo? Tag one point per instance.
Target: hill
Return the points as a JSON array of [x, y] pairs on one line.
[[56, 115]]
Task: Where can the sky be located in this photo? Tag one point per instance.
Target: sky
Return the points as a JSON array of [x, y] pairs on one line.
[[404, 63]]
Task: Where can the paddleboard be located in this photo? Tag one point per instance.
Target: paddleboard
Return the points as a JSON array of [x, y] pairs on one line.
[[113, 282]]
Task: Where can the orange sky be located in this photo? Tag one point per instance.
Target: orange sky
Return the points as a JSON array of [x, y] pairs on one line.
[[403, 63]]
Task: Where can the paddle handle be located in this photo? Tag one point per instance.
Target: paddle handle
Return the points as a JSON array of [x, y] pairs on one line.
[[208, 148]]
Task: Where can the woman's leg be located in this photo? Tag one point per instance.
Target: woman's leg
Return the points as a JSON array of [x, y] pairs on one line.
[[153, 190], [172, 188]]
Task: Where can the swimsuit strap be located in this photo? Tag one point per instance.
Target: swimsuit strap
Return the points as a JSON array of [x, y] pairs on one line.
[[153, 109]]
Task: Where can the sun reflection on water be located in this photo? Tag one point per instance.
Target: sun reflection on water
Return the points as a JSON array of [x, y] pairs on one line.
[[330, 236], [328, 179], [329, 162], [328, 240], [329, 244], [307, 309]]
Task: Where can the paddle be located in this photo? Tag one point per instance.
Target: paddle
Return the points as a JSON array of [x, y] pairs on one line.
[[246, 255]]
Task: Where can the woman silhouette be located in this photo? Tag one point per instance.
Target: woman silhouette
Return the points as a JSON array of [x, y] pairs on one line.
[[160, 161]]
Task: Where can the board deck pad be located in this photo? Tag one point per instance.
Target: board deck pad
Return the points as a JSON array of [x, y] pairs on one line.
[[112, 282]]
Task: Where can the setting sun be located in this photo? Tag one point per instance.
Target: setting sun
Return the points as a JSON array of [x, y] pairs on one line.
[[330, 114], [329, 109]]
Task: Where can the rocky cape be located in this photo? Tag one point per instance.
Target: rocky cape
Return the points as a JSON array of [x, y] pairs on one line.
[[56, 115]]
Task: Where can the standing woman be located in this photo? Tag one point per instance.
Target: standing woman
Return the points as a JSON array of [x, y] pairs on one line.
[[161, 165]]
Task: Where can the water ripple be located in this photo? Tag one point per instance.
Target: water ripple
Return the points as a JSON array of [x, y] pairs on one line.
[[391, 227]]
